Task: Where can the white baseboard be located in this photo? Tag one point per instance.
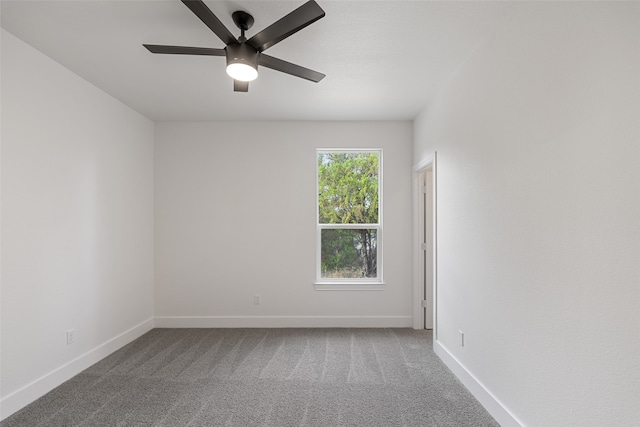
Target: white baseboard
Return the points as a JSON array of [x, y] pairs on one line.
[[32, 391], [283, 322], [497, 410]]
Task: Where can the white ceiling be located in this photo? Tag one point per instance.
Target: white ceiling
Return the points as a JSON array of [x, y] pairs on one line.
[[384, 60]]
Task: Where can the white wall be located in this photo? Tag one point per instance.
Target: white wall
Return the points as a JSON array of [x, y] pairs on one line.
[[235, 217], [77, 223], [538, 142]]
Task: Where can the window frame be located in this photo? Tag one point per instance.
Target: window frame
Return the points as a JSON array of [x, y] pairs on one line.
[[368, 283]]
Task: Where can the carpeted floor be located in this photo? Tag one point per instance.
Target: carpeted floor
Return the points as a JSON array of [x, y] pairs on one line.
[[263, 377]]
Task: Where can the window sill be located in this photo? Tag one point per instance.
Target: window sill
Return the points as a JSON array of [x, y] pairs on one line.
[[349, 286]]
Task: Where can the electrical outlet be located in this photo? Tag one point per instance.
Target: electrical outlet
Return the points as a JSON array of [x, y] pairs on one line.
[[257, 300], [71, 336], [461, 338]]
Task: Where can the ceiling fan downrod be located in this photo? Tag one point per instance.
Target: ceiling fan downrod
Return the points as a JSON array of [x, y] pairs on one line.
[[244, 21]]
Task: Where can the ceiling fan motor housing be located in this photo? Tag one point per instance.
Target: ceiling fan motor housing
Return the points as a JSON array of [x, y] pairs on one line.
[[242, 53]]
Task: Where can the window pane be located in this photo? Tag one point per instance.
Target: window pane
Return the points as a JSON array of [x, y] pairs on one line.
[[349, 253], [348, 188]]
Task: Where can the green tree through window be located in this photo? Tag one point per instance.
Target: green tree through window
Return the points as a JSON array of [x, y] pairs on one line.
[[348, 213]]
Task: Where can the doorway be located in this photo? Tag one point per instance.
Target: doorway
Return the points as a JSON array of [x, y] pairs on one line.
[[424, 232]]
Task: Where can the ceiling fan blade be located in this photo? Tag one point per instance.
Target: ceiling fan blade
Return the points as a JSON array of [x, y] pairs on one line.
[[210, 20], [305, 15], [289, 68], [184, 50], [239, 86]]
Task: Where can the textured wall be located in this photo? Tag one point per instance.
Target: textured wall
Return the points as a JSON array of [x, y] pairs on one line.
[[236, 215], [538, 213], [77, 216]]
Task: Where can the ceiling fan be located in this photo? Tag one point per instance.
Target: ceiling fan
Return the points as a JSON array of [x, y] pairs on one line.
[[244, 55]]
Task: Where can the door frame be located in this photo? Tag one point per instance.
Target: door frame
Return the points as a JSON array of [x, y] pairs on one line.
[[427, 163]]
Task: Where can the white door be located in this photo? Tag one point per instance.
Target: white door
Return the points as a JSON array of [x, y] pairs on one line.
[[426, 222]]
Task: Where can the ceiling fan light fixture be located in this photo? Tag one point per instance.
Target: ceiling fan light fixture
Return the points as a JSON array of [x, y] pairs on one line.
[[242, 62], [242, 72]]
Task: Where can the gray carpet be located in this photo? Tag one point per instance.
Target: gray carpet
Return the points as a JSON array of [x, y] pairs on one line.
[[263, 377]]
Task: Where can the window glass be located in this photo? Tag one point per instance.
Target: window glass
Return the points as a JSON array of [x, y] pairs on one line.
[[348, 253], [349, 215]]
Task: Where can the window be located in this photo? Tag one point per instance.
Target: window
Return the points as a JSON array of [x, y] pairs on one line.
[[349, 225]]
